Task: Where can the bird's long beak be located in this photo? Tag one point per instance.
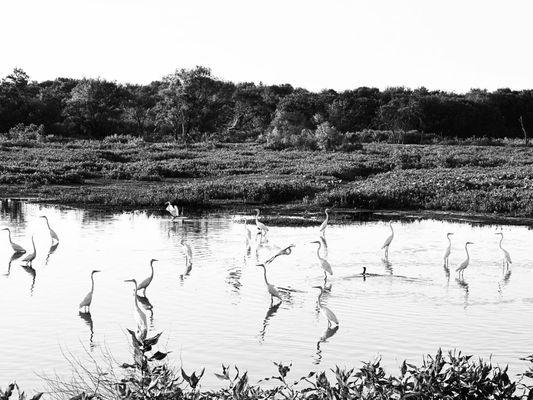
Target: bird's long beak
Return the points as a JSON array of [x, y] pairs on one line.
[[97, 270], [128, 280], [317, 287]]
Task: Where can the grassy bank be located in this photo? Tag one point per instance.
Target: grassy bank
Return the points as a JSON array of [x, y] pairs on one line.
[[126, 173]]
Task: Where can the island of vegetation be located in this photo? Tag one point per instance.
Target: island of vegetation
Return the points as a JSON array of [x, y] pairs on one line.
[[197, 140]]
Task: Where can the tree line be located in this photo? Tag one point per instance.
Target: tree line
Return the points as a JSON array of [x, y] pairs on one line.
[[192, 105]]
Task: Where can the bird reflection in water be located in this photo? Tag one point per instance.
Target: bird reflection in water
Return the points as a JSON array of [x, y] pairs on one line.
[[388, 265], [29, 269], [270, 313], [323, 339], [14, 256], [234, 279], [86, 316], [145, 303], [51, 251], [464, 285]]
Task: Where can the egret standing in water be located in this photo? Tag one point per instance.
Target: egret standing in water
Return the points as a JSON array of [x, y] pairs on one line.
[[505, 253], [324, 224], [324, 264], [16, 248], [144, 284], [140, 318], [388, 241], [31, 256], [53, 235], [465, 263], [332, 318], [86, 302], [260, 226], [448, 250], [173, 210], [272, 290]]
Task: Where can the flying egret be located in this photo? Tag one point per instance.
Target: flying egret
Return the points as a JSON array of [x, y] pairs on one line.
[[140, 318], [465, 263], [86, 302], [388, 241], [283, 252], [448, 250], [188, 252], [324, 224], [272, 290], [31, 256], [505, 253], [260, 226], [324, 264], [329, 314], [16, 248], [53, 235], [144, 284]]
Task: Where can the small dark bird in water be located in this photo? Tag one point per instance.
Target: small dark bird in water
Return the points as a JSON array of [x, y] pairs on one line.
[[364, 271]]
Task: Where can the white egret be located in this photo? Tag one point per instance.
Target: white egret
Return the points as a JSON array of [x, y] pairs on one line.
[[388, 241], [448, 250], [86, 302], [144, 284], [324, 264], [31, 256], [272, 290], [332, 318], [260, 226], [283, 252], [465, 263], [53, 235], [174, 211], [324, 224], [505, 253], [188, 252], [16, 248], [140, 317]]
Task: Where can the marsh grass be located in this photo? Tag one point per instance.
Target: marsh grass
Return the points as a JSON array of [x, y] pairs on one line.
[[133, 173]]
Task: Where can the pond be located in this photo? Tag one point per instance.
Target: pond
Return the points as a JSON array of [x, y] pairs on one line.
[[220, 311]]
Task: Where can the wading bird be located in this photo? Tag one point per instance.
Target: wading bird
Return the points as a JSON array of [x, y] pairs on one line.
[[31, 256], [140, 318], [283, 252], [388, 241], [53, 235], [174, 211], [505, 253], [260, 226], [188, 252], [324, 264], [332, 319], [272, 290], [16, 248], [86, 302], [465, 263], [324, 224], [144, 284], [448, 250]]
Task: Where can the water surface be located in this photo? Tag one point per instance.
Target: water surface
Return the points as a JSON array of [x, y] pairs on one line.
[[220, 312]]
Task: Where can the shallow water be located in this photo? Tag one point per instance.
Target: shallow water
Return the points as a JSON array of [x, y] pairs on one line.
[[220, 313]]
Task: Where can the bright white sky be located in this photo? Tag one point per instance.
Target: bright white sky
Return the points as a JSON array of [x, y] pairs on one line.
[[340, 44]]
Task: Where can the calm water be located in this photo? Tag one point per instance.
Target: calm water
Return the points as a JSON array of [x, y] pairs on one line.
[[220, 312]]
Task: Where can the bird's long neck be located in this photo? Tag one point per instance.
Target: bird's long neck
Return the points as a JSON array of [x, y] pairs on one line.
[[152, 268], [33, 244], [257, 216], [47, 223], [318, 249], [92, 283], [449, 240], [501, 240], [265, 274], [392, 230], [9, 235], [327, 215], [467, 255]]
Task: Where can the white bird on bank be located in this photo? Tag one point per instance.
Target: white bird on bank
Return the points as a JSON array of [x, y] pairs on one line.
[[324, 224], [175, 211], [31, 256], [388, 241], [324, 264], [505, 253], [272, 290], [465, 263], [332, 318], [86, 302], [260, 226], [144, 284], [53, 235], [16, 248], [140, 317], [448, 250]]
